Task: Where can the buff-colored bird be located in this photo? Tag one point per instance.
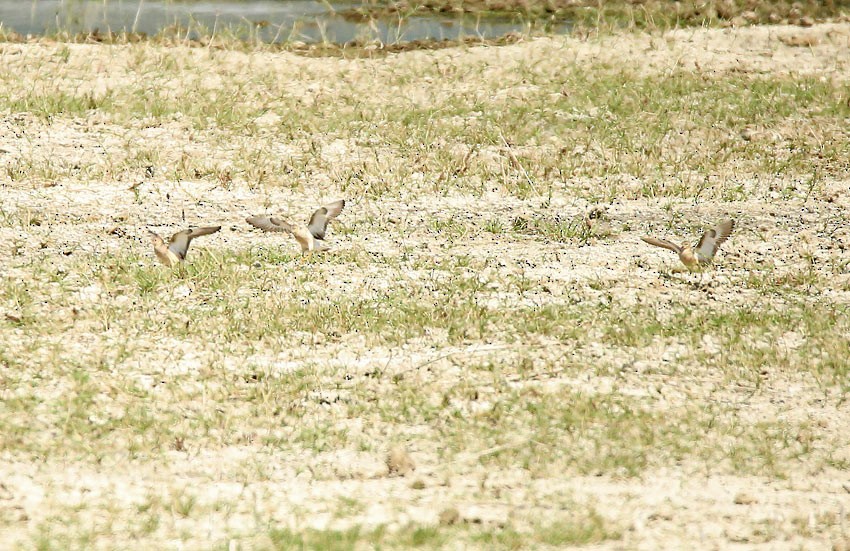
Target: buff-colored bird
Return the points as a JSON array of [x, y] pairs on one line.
[[311, 237], [175, 252], [703, 254]]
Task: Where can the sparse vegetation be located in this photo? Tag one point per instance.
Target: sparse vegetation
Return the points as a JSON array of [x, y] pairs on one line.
[[487, 302], [643, 14]]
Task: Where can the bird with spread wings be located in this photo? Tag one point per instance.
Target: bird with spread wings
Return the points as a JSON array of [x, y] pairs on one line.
[[175, 252], [703, 254], [311, 237]]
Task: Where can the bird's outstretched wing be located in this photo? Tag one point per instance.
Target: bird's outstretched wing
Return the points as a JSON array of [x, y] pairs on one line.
[[206, 230], [663, 243], [319, 220], [267, 223], [179, 243], [712, 239]]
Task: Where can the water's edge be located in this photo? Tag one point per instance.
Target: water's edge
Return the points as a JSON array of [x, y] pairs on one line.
[[308, 21]]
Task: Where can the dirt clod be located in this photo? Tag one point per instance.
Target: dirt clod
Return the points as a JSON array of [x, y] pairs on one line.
[[449, 516], [399, 461]]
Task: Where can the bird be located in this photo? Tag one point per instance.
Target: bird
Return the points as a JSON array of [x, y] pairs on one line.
[[311, 237], [703, 254], [175, 252]]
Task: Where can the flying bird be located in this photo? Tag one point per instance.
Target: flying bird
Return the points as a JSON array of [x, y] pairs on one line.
[[311, 237], [705, 250], [175, 252]]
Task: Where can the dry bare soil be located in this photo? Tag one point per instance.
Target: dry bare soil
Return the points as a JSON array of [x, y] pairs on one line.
[[488, 312]]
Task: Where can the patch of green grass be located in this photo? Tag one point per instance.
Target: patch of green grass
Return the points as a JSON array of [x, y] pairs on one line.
[[184, 504], [494, 225], [610, 434], [570, 122], [555, 228], [451, 228], [46, 104], [411, 536], [584, 528]]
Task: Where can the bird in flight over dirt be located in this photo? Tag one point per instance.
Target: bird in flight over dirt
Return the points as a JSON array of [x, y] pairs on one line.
[[705, 250], [311, 237], [175, 252]]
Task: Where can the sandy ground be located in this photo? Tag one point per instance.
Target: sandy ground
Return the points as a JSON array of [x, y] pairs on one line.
[[672, 505]]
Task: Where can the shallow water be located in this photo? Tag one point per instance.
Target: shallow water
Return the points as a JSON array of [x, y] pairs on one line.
[[265, 20]]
